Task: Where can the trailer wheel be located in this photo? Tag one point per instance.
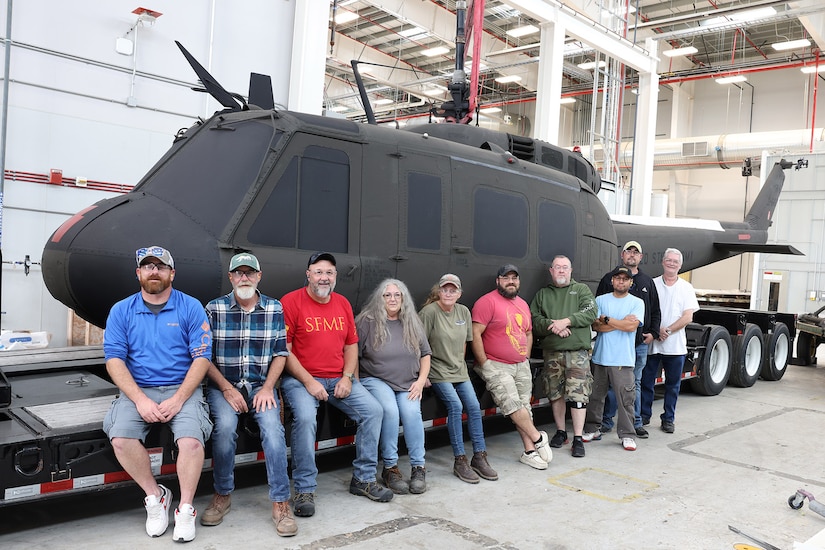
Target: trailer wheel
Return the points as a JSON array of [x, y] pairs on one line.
[[806, 349], [777, 354], [714, 369], [747, 357]]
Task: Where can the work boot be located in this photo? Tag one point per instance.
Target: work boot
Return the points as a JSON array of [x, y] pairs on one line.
[[304, 504], [482, 467], [462, 470], [285, 524], [394, 482], [418, 483], [217, 509]]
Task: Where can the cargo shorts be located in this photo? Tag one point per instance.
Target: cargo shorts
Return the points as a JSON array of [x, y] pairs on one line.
[[510, 385], [567, 374]]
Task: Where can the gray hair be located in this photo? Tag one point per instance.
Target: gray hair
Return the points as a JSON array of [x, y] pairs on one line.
[[375, 311], [674, 251]]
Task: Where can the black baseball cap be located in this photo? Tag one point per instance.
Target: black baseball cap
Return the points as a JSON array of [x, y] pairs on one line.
[[507, 268], [622, 270], [320, 256]]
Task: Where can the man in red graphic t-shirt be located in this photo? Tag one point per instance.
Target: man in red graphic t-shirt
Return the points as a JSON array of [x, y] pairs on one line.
[[322, 364]]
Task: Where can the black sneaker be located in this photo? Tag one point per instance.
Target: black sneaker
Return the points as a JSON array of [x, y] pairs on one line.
[[668, 427], [558, 439], [645, 420], [577, 449], [641, 432], [370, 489], [304, 504]]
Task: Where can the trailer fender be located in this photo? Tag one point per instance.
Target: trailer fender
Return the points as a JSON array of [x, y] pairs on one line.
[[777, 353], [748, 349], [714, 362]]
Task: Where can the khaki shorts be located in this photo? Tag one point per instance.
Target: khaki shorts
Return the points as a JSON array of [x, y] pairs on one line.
[[511, 386], [567, 374]]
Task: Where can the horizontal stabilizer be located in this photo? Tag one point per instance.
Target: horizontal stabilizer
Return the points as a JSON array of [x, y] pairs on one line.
[[739, 248]]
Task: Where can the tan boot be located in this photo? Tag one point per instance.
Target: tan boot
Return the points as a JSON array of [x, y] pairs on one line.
[[462, 470], [285, 524], [217, 509], [482, 467]]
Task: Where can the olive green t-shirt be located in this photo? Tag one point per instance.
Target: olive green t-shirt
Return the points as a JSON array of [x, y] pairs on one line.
[[448, 334]]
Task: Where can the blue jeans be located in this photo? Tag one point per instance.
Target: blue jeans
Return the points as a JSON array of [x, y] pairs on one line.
[[610, 401], [673, 365], [224, 439], [453, 394], [397, 406], [360, 406]]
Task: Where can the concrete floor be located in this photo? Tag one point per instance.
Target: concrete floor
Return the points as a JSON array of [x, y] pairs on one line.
[[734, 460]]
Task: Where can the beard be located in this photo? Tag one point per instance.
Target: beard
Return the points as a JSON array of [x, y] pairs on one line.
[[322, 290], [510, 291], [246, 292], [154, 284], [561, 280]]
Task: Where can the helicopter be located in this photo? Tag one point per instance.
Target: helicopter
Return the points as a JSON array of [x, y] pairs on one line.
[[411, 203]]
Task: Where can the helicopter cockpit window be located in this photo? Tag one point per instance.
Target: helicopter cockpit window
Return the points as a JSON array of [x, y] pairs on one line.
[[309, 206], [500, 223], [223, 166], [557, 231]]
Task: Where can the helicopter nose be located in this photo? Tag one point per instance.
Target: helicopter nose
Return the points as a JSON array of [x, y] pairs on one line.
[[89, 262]]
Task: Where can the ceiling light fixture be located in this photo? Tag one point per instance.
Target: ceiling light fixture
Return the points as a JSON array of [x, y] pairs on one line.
[[590, 65], [518, 32], [490, 110], [567, 100], [508, 78], [813, 69], [432, 52], [413, 33], [675, 52], [384, 101], [345, 17], [791, 45], [731, 79]]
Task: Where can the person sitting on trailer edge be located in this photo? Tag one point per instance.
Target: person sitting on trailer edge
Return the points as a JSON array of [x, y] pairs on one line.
[[248, 356], [502, 339], [157, 346], [323, 366]]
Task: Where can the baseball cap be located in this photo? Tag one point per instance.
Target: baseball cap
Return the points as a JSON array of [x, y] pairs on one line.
[[154, 252], [622, 270], [450, 279], [507, 268], [632, 244], [320, 256], [245, 258]]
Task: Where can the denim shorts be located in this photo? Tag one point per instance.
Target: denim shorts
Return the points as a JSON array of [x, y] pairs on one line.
[[123, 419]]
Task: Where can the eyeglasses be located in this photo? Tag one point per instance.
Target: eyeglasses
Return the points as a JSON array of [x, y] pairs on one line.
[[633, 252], [149, 267], [393, 295], [241, 274], [321, 272], [509, 277], [561, 268], [449, 291]]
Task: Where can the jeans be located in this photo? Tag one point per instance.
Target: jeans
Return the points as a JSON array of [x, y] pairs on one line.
[[359, 405], [610, 404], [673, 365], [453, 394], [224, 438], [397, 406]]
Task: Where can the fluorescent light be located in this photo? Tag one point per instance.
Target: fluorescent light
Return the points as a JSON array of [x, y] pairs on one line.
[[338, 108], [567, 100], [791, 45], [518, 32], [345, 17], [742, 16], [490, 110], [813, 69], [384, 101], [508, 78], [687, 50], [432, 52], [413, 33], [590, 65], [731, 79]]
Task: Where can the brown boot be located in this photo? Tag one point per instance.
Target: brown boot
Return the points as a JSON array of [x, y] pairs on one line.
[[394, 482], [285, 524], [217, 509], [482, 467], [462, 470]]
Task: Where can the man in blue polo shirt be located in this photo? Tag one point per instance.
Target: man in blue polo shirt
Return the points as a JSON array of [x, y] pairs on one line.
[[157, 345]]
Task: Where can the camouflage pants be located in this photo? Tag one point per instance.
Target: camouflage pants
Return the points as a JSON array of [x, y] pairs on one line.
[[566, 374]]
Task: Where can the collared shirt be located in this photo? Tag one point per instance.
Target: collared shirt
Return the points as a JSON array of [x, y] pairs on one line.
[[245, 342]]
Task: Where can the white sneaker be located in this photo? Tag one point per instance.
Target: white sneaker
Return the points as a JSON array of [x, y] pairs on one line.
[[184, 523], [533, 460], [157, 512], [543, 448], [587, 437], [629, 444]]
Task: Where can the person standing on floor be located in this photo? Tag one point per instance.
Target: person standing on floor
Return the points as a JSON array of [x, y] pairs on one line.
[[448, 326]]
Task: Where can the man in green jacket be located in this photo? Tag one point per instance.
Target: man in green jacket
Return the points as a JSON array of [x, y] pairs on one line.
[[562, 314]]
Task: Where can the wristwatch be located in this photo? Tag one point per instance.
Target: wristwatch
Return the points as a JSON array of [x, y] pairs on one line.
[[349, 375], [606, 320]]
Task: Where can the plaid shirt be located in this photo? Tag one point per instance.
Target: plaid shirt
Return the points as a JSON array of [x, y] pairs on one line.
[[244, 343]]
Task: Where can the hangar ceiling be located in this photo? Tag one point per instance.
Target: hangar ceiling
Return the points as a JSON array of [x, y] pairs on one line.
[[410, 75]]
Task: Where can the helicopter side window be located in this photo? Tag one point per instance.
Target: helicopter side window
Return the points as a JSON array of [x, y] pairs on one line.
[[423, 211], [557, 231], [500, 223]]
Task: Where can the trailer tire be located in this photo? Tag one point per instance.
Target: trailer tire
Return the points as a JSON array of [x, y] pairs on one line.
[[806, 349], [748, 349], [714, 369], [777, 353]]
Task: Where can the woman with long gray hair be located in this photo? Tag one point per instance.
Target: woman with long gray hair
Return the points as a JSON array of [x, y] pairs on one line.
[[394, 360]]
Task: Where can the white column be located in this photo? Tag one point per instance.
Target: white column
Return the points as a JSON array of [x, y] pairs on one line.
[[548, 89], [309, 45], [643, 144]]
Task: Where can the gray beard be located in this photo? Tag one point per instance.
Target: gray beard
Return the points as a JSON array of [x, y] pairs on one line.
[[245, 292]]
